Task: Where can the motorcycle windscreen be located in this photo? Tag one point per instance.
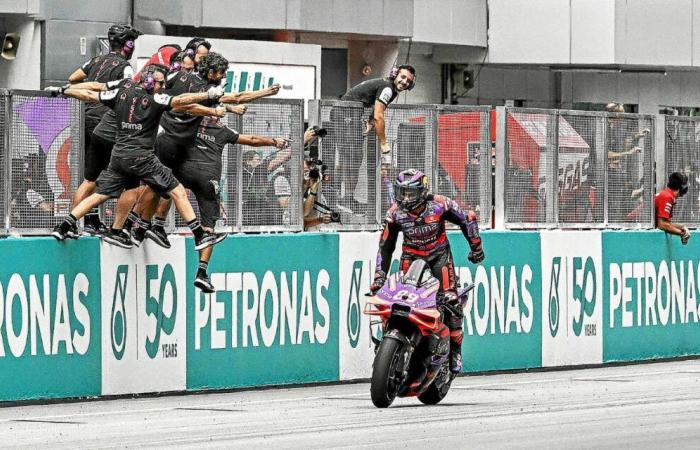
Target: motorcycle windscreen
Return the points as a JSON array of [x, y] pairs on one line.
[[417, 274]]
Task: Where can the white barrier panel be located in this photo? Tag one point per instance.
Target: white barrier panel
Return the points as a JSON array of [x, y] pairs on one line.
[[572, 298], [143, 318], [357, 255]]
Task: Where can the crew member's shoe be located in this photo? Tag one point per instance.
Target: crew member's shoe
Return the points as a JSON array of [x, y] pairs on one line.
[[118, 239], [137, 235], [208, 240], [159, 236], [204, 283], [58, 233], [95, 228]]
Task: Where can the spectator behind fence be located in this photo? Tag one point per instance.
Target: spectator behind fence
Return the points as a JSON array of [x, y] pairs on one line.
[[316, 211], [664, 201], [622, 142], [259, 205], [31, 198]]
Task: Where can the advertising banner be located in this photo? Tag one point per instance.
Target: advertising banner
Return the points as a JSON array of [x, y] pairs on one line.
[[572, 301], [502, 317], [651, 292], [49, 318], [274, 317], [358, 253], [143, 318]]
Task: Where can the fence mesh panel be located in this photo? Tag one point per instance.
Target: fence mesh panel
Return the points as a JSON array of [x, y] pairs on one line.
[[270, 178], [529, 163], [3, 168], [45, 159], [682, 144], [581, 172], [411, 133], [464, 169], [629, 148]]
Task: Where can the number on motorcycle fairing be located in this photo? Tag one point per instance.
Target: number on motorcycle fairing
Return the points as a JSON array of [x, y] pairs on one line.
[[405, 295]]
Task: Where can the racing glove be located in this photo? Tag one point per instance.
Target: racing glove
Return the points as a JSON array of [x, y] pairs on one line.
[[476, 255]]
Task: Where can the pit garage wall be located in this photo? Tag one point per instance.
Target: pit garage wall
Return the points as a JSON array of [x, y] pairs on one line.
[[81, 319]]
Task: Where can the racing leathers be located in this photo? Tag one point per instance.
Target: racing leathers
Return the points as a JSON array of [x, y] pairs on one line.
[[425, 237]]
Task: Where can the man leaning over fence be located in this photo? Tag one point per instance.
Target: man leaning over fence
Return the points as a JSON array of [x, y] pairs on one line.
[[347, 129], [664, 202]]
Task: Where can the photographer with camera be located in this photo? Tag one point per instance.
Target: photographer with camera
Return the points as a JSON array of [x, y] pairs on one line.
[[315, 210]]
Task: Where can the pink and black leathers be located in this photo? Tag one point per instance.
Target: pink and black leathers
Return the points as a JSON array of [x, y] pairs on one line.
[[425, 237]]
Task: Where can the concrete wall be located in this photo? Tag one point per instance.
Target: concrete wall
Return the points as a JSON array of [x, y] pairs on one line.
[[20, 6], [457, 22], [370, 17], [66, 22], [24, 72], [537, 88], [634, 32]]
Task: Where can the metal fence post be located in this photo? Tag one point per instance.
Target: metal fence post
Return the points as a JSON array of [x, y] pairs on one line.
[[660, 154], [501, 161], [6, 161]]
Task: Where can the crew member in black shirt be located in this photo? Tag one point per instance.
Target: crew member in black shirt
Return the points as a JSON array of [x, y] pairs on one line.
[[201, 171], [347, 128], [138, 109], [180, 129], [103, 68]]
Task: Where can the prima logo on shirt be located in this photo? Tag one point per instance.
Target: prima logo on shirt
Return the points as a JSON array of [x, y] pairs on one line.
[[132, 126]]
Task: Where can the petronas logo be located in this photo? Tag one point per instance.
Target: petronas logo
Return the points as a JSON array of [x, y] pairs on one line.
[[118, 313], [554, 303], [354, 317]]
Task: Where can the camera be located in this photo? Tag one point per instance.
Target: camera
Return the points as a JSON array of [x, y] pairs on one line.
[[325, 209], [316, 169], [319, 132]]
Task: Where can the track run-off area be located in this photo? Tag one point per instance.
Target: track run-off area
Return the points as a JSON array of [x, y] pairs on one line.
[[633, 406]]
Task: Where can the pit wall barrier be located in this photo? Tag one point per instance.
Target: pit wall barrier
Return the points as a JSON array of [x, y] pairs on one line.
[[83, 319]]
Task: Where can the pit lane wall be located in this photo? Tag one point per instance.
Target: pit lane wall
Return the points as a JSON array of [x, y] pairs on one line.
[[83, 319]]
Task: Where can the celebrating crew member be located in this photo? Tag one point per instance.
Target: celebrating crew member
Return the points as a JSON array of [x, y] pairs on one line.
[[104, 68], [138, 109]]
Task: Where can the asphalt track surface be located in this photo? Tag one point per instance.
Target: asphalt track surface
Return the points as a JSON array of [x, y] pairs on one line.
[[638, 406]]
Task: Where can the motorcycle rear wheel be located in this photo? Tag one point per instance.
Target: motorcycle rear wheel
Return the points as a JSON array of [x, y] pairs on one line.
[[386, 376], [438, 389]]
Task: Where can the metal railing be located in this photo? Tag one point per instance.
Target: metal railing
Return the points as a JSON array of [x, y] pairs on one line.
[[42, 159], [576, 169], [451, 144], [260, 185], [681, 140], [553, 168]]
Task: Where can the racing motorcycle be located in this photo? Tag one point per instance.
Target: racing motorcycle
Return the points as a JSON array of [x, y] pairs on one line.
[[412, 359]]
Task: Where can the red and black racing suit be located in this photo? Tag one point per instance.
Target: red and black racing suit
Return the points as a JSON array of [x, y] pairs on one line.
[[424, 237]]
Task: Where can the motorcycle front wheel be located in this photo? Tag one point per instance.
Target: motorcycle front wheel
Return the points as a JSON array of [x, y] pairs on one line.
[[387, 372]]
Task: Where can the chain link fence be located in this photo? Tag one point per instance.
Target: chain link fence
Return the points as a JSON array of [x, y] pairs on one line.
[[43, 159], [682, 154], [260, 187], [465, 158], [436, 139], [574, 169], [560, 169]]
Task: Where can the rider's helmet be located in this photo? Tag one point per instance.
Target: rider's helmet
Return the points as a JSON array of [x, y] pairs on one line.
[[411, 189]]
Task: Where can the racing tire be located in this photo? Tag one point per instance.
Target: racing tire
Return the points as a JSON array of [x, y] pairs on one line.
[[437, 391], [387, 375]]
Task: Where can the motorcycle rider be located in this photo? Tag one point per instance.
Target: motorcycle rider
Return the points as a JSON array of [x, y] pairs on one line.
[[421, 218]]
